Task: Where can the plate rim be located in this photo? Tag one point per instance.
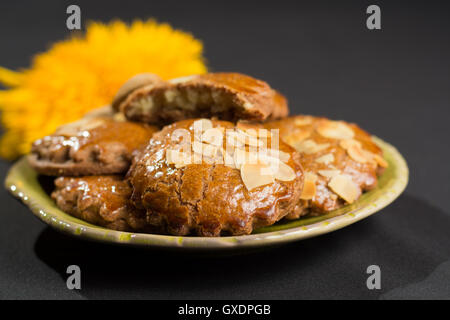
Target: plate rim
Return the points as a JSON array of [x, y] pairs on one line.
[[72, 226]]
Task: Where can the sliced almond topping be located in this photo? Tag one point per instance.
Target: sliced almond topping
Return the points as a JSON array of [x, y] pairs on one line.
[[357, 154], [263, 133], [241, 156], [206, 150], [309, 186], [213, 136], [209, 151], [248, 139], [345, 144], [309, 146], [335, 130], [302, 121], [197, 146], [232, 140], [182, 79], [178, 158], [202, 125], [297, 137], [283, 156], [228, 159], [326, 158], [283, 172], [74, 128], [329, 173], [252, 177], [380, 160], [344, 186]]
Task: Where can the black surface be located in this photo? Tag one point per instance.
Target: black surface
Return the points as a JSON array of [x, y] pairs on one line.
[[393, 82]]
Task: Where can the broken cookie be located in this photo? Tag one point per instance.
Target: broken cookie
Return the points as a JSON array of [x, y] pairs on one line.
[[226, 96]]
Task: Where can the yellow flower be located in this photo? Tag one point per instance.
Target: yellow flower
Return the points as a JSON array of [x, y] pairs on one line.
[[82, 73]]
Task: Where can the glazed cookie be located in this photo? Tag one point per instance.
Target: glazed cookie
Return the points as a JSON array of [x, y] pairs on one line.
[[90, 146], [100, 200], [226, 96], [340, 161], [211, 178]]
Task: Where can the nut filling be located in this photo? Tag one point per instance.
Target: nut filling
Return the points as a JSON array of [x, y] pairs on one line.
[[227, 96]]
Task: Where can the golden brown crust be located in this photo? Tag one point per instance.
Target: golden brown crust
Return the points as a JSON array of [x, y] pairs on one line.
[[328, 150], [207, 199], [91, 146], [227, 96], [100, 200]]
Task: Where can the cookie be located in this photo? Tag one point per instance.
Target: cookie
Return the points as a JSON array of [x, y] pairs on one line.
[[340, 161], [211, 178], [100, 200], [90, 146], [135, 82], [226, 96]]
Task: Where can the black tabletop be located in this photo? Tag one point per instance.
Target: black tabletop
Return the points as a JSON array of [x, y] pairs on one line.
[[394, 82]]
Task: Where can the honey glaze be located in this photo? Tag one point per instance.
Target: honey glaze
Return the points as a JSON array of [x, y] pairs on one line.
[[129, 134], [112, 190], [238, 82]]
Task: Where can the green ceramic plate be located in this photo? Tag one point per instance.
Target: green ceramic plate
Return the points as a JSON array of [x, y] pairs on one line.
[[22, 182]]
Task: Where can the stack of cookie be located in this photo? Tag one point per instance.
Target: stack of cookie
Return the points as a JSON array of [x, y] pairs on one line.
[[207, 155]]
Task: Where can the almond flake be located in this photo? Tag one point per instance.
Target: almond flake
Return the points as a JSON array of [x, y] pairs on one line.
[[232, 140], [283, 172], [335, 130], [357, 154], [329, 173], [197, 146], [380, 160], [253, 130], [241, 156], [228, 158], [178, 158], [209, 151], [206, 150], [248, 139], [296, 137], [283, 156], [213, 136], [252, 177], [345, 144], [327, 158], [181, 79], [202, 125], [309, 186], [302, 121], [309, 146], [344, 186], [75, 128]]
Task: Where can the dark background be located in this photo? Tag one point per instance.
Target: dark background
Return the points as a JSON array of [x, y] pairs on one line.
[[394, 82]]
